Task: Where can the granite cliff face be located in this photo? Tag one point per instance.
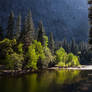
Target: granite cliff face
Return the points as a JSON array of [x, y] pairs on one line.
[[65, 18]]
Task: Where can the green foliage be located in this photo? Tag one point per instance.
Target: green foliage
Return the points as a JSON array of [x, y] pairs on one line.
[[20, 48], [49, 58], [61, 56], [33, 57], [7, 55], [72, 60], [6, 47], [65, 59], [45, 41], [39, 49], [35, 51], [14, 61], [38, 56]]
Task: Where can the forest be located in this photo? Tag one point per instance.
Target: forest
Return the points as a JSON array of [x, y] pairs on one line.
[[24, 47]]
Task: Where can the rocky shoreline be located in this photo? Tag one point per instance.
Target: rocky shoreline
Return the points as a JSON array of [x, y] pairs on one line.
[[16, 72]]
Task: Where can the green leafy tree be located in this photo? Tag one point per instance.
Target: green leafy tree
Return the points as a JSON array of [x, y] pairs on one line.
[[6, 48], [49, 58], [10, 28], [20, 48], [38, 56], [72, 60], [34, 54], [40, 52], [61, 57], [51, 43], [14, 61], [33, 57], [65, 59]]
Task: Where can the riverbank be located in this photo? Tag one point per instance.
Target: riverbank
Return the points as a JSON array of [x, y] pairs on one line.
[[22, 72], [81, 67], [16, 72]]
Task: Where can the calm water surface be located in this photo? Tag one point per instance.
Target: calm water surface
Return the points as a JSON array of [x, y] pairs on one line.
[[49, 81]]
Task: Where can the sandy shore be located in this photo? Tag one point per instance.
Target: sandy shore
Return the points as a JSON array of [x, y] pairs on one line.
[[82, 67], [22, 72]]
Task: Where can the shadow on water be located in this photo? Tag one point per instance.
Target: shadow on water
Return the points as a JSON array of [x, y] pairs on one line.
[[49, 81]]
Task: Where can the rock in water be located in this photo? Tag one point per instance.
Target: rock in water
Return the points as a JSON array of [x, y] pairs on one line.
[[65, 18]]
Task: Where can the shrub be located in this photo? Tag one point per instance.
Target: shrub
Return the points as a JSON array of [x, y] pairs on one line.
[[65, 59], [61, 57], [20, 48], [45, 41], [72, 60], [14, 61], [6, 48], [49, 58]]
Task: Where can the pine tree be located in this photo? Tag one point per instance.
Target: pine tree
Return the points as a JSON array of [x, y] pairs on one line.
[[1, 33], [10, 28], [90, 22], [74, 47], [28, 31], [64, 44], [51, 43], [90, 37], [23, 31], [68, 48], [41, 33], [73, 44], [30, 26], [18, 27]]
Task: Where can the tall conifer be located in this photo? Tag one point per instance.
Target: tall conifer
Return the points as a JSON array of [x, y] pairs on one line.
[[51, 43], [41, 33], [18, 27], [1, 33], [28, 31], [10, 27]]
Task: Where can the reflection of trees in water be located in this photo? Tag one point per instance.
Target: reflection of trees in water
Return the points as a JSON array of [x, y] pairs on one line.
[[67, 76], [49, 81], [58, 77]]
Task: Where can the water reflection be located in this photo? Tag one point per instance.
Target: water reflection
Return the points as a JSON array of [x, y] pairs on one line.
[[49, 81]]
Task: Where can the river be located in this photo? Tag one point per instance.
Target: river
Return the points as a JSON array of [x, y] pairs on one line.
[[49, 81]]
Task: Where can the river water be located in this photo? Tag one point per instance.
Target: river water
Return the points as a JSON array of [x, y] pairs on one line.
[[49, 81]]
